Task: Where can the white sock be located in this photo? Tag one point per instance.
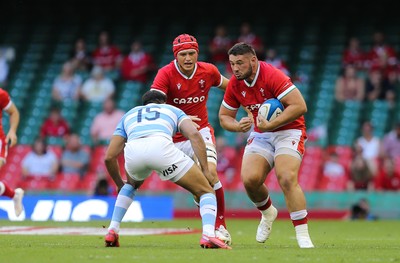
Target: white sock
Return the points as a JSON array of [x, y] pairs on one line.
[[124, 200], [302, 231], [208, 212]]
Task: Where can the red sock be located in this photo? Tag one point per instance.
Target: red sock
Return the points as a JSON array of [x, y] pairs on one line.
[[220, 220], [266, 206], [8, 191], [299, 222]]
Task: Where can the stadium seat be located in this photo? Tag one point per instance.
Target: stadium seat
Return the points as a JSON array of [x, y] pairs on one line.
[[88, 182], [333, 184], [65, 182], [154, 183], [35, 183]]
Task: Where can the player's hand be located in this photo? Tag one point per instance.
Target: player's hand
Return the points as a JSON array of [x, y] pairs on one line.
[[263, 125], [194, 118], [11, 139], [245, 124], [209, 177]]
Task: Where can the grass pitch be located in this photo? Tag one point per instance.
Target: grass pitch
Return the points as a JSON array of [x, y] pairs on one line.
[[335, 241]]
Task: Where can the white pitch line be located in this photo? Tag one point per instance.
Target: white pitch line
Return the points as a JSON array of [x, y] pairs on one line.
[[89, 231]]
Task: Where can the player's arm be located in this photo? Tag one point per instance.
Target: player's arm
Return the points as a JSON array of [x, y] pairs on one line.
[[14, 122], [199, 147], [227, 119], [295, 107], [115, 147], [224, 83]]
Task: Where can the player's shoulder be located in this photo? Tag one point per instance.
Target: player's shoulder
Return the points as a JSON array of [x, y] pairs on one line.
[[206, 65], [267, 66], [3, 92], [169, 106]]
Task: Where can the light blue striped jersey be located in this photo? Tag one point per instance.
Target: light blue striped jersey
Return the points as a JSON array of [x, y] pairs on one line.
[[150, 119]]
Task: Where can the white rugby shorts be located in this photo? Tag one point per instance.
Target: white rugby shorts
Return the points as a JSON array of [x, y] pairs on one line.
[[271, 144], [157, 153], [209, 140]]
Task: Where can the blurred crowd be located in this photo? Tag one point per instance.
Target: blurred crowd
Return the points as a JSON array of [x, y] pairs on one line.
[[90, 76]]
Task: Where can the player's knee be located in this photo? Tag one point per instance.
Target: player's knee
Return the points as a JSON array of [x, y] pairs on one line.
[[197, 194], [251, 181], [287, 180]]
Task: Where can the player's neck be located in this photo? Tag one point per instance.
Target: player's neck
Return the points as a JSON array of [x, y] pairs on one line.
[[187, 73]]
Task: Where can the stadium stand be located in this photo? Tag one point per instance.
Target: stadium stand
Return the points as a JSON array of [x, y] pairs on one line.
[[310, 41]]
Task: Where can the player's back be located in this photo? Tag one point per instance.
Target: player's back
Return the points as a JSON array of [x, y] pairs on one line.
[[151, 119]]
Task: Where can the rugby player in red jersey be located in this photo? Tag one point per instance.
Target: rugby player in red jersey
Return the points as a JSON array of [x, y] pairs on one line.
[[272, 144], [9, 140], [187, 82]]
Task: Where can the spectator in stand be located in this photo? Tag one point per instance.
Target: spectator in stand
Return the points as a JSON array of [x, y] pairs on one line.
[[107, 55], [354, 55], [379, 88], [391, 143], [54, 125], [104, 123], [349, 86], [219, 45], [7, 55], [271, 57], [102, 188], [370, 145], [98, 87], [138, 64], [248, 36], [66, 86], [382, 55], [226, 166], [74, 159], [361, 211], [80, 56], [388, 178], [334, 174], [40, 161], [361, 177]]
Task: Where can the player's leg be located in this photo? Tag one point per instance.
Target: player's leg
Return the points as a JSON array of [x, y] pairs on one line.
[[185, 146], [288, 156], [15, 194], [287, 169], [195, 182], [220, 224], [258, 160], [135, 174], [255, 169], [122, 203]]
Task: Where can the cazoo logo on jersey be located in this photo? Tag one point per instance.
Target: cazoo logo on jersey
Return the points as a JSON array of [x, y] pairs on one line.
[[253, 106], [189, 100]]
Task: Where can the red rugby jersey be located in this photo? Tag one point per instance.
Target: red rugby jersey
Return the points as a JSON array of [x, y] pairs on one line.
[[190, 94], [269, 82]]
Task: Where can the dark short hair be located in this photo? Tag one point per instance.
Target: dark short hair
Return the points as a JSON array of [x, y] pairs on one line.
[[241, 48], [153, 96]]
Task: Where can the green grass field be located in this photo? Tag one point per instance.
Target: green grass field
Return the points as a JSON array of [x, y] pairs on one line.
[[335, 241]]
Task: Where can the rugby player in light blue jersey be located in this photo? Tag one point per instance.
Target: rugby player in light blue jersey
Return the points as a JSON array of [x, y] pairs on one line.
[[145, 135]]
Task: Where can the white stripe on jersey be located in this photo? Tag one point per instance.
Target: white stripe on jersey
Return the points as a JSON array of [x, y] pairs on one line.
[[150, 119], [228, 107], [283, 94]]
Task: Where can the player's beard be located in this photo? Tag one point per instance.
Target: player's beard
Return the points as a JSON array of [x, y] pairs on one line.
[[245, 75]]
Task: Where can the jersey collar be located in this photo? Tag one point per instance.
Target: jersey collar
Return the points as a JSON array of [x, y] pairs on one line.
[[255, 78], [183, 75]]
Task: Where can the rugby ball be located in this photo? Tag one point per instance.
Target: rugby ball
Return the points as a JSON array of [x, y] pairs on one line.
[[270, 109]]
